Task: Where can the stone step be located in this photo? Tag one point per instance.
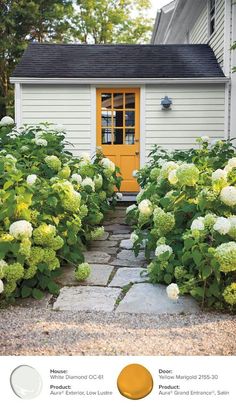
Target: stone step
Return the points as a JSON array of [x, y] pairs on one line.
[[99, 276], [153, 299], [125, 276], [99, 257], [87, 298]]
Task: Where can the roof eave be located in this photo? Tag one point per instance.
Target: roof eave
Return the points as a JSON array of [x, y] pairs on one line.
[[117, 81]]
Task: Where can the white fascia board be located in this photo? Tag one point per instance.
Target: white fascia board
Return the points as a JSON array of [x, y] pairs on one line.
[[118, 81]]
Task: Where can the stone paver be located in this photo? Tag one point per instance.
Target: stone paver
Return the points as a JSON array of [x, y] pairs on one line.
[[97, 257], [124, 276], [118, 229], [126, 244], [118, 237], [148, 298], [129, 255], [99, 276], [103, 244], [110, 251], [87, 298]]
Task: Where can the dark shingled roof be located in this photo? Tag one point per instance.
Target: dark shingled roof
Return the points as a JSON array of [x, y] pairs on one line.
[[118, 61]]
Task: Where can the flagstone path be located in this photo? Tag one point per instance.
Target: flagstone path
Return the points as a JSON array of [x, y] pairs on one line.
[[119, 280], [116, 311]]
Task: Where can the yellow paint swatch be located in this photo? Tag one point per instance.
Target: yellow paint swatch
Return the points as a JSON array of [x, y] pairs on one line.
[[135, 382]]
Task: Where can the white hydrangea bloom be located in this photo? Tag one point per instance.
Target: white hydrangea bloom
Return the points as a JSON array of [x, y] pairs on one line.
[[198, 224], [59, 128], [145, 207], [85, 156], [134, 237], [172, 178], [88, 182], [41, 142], [31, 179], [2, 264], [9, 156], [219, 174], [222, 225], [21, 229], [167, 167], [119, 196], [161, 162], [205, 139], [77, 178], [1, 286], [172, 291], [232, 162], [130, 208], [6, 121], [161, 249], [228, 195], [135, 173], [108, 164]]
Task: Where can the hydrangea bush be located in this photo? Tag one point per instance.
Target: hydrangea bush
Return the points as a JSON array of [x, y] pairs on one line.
[[185, 218], [51, 204]]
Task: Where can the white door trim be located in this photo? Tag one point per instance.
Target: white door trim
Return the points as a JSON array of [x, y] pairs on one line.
[[142, 125], [93, 119]]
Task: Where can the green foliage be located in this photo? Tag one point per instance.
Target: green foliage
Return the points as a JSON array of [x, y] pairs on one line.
[[47, 214], [192, 229], [112, 21]]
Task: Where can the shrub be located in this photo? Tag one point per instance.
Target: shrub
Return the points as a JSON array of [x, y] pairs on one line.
[[190, 228], [51, 204]]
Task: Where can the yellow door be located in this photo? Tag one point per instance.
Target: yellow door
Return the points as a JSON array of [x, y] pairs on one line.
[[118, 131]]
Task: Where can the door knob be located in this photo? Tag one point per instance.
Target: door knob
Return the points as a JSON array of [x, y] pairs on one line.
[[137, 153], [136, 140]]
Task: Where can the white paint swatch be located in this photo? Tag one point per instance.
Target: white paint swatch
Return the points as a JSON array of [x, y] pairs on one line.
[[26, 382]]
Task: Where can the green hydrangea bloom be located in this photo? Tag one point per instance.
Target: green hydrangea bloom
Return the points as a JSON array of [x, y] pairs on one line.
[[83, 211], [180, 272], [14, 272], [98, 181], [163, 221], [95, 218], [82, 272], [154, 173], [64, 173], [102, 195], [229, 294], [225, 254], [25, 247], [53, 162], [143, 219], [97, 233], [36, 256], [45, 235], [9, 288], [187, 174], [50, 259], [30, 272], [209, 220], [71, 202], [3, 265]]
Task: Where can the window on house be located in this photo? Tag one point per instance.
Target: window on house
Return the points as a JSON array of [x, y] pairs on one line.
[[118, 113], [212, 16]]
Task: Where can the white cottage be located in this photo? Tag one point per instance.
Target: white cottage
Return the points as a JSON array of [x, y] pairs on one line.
[[112, 96]]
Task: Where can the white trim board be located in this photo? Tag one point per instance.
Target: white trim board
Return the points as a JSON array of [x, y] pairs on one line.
[[18, 111], [118, 81]]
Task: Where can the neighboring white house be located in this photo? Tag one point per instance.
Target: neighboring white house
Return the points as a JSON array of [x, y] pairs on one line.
[[110, 96], [210, 22]]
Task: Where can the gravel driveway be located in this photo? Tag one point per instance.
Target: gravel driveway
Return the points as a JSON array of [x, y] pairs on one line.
[[40, 331]]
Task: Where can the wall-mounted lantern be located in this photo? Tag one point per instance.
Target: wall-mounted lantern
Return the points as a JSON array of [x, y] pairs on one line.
[[166, 103]]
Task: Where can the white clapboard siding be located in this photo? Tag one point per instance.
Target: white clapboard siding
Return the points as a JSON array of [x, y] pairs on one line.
[[69, 105], [200, 31], [178, 128]]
